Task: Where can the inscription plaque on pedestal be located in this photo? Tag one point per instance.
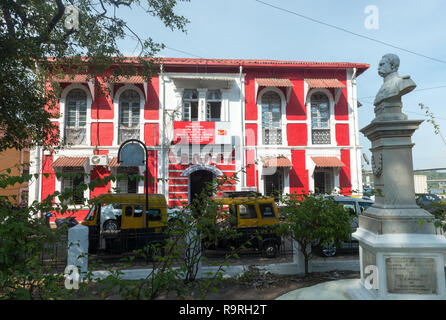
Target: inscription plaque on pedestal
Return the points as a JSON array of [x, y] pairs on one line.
[[411, 275]]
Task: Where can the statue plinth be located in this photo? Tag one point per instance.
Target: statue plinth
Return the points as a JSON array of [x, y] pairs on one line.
[[401, 254]]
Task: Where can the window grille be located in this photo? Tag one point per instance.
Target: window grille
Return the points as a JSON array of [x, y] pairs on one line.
[[271, 118], [76, 117], [320, 119], [129, 106]]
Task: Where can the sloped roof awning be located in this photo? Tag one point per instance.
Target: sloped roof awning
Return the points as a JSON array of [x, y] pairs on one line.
[[76, 78], [335, 84], [274, 82], [71, 78], [327, 162], [280, 162], [324, 83], [69, 162], [114, 162]]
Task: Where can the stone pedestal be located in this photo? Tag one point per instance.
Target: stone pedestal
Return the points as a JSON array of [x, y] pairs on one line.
[[401, 255]]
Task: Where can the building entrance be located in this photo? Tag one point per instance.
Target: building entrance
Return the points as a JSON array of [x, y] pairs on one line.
[[197, 182]]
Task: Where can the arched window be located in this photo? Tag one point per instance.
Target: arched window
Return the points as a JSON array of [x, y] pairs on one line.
[[213, 105], [271, 118], [320, 118], [190, 105], [129, 106], [76, 117]]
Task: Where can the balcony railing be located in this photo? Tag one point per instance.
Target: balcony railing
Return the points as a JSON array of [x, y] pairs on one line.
[[321, 136], [272, 136], [128, 133], [76, 136]]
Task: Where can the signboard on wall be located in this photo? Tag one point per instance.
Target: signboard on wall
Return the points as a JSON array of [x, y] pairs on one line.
[[205, 132]]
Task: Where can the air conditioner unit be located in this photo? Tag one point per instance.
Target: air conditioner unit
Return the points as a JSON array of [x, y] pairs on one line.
[[98, 160]]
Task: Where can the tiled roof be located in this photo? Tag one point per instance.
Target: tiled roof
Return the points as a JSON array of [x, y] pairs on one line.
[[324, 83], [71, 78], [327, 162], [272, 82], [131, 79], [114, 162], [69, 162], [276, 162]]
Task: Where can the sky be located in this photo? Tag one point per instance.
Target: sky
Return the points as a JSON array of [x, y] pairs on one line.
[[249, 29]]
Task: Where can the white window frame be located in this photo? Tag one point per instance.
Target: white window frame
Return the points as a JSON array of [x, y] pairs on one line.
[[283, 121], [187, 104], [208, 106], [332, 122], [116, 112], [64, 111]]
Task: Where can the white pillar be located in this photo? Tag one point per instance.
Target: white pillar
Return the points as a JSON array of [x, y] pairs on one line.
[[78, 248]]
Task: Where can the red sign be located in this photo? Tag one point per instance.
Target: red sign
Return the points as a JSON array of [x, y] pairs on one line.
[[194, 132]]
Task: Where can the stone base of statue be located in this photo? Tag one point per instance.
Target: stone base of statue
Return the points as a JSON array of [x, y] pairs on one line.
[[400, 266], [401, 256]]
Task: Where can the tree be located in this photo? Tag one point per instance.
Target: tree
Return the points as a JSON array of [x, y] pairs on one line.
[[310, 218], [79, 36]]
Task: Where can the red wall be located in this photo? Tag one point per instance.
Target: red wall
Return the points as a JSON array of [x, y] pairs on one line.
[[299, 182], [344, 174], [151, 109], [48, 176], [102, 105], [342, 134], [297, 134], [105, 131], [250, 99], [151, 134], [295, 109], [98, 173]]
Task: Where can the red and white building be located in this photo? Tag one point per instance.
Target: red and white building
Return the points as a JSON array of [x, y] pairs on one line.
[[291, 125]]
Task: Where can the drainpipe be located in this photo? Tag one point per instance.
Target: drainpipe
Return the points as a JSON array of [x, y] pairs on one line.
[[242, 140], [356, 140], [163, 139]]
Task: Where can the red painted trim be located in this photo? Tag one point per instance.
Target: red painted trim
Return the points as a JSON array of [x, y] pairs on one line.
[[345, 173], [299, 180]]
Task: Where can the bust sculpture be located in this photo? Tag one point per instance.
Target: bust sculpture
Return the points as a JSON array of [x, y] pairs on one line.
[[394, 86]]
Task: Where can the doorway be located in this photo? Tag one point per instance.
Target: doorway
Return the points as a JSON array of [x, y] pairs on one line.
[[323, 181], [197, 182]]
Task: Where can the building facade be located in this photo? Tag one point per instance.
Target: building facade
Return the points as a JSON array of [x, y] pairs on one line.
[[286, 126], [17, 161]]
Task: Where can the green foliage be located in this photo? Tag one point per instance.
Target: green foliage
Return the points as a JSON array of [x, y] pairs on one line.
[[33, 30], [310, 218]]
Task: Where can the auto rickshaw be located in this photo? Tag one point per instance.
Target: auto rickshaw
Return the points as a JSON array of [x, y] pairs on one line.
[[255, 220], [136, 227]]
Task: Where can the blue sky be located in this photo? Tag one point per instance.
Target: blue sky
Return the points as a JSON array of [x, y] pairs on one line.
[[250, 30]]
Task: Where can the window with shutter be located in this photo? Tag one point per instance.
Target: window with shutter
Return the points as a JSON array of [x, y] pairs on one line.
[[76, 117], [129, 106], [320, 119], [271, 118]]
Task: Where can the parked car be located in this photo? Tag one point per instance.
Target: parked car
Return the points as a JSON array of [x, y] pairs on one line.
[[427, 199], [356, 206]]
